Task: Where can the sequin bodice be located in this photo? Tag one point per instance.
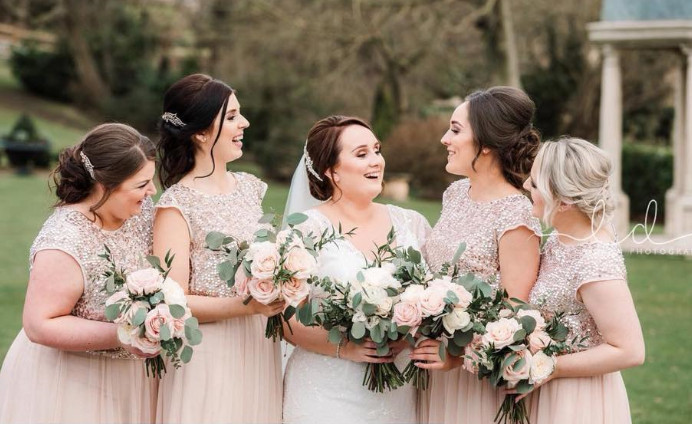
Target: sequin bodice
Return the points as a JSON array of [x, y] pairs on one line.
[[564, 269], [73, 233], [480, 225], [235, 214]]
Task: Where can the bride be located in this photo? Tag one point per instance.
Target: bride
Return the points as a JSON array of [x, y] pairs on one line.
[[335, 183]]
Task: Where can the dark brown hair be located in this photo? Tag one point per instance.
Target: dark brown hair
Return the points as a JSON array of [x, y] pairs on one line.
[[323, 147], [116, 151], [500, 119], [196, 100]]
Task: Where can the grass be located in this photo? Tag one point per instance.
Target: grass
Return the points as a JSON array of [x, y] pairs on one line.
[[659, 391]]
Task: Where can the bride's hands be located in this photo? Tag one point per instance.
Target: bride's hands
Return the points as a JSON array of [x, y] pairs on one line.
[[396, 347], [270, 310], [365, 352]]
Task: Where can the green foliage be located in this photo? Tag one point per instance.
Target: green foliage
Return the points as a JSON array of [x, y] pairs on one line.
[[44, 73], [647, 175]]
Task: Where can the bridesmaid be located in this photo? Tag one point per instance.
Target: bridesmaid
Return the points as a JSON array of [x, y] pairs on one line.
[[67, 364], [235, 376], [583, 274], [492, 142]]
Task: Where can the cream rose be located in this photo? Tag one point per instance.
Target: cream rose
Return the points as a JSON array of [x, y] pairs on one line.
[[300, 262], [456, 320], [173, 294], [505, 313], [144, 281], [535, 314], [512, 375], [378, 296], [407, 314], [157, 318], [432, 301], [295, 291], [265, 259], [501, 333], [145, 344], [542, 366], [412, 293], [263, 291], [538, 340]]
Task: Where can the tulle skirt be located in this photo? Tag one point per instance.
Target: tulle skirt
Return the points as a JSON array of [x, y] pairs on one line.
[[458, 397], [234, 377], [591, 400], [40, 384]]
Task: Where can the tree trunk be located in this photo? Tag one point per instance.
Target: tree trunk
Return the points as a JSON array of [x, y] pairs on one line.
[[93, 90], [510, 41]]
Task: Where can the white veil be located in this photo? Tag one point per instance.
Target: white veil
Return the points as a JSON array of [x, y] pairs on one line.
[[299, 197], [299, 200]]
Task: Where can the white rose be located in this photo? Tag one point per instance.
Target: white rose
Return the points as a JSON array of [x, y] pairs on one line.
[[512, 374], [501, 333], [372, 322], [538, 340], [173, 294], [505, 313], [124, 333], [412, 293], [380, 277], [300, 262], [359, 316], [542, 366], [456, 320], [378, 296], [144, 281], [535, 314], [265, 259]]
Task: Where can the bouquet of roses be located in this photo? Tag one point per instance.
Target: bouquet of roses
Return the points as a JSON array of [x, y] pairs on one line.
[[443, 307], [151, 312], [278, 264], [517, 350], [365, 308]]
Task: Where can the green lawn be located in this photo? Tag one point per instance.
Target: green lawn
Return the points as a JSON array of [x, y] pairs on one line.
[[660, 391]]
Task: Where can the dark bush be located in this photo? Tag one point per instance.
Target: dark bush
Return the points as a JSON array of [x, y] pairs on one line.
[[44, 73], [647, 175], [414, 148]]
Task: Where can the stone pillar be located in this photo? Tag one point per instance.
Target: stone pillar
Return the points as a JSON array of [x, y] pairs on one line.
[[673, 223], [610, 133], [684, 220]]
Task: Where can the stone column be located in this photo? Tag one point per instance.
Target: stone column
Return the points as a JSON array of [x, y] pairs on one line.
[[673, 224], [610, 133], [685, 208]]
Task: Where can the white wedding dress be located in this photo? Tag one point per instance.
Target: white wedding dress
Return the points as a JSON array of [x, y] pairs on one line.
[[320, 389]]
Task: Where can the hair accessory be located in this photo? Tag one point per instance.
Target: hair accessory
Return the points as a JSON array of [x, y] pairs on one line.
[[308, 162], [172, 118], [87, 165]]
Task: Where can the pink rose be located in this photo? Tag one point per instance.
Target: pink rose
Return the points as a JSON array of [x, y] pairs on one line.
[[241, 282], [265, 259], [501, 333], [144, 343], [471, 356], [144, 281], [301, 262], [157, 318], [263, 291], [536, 315], [432, 301], [538, 340], [512, 375], [295, 291], [407, 314], [179, 324]]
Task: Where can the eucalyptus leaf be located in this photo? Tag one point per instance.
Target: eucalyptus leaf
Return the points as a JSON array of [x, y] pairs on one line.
[[528, 323], [112, 311], [296, 218], [177, 311], [358, 330], [226, 270], [139, 317], [459, 252], [186, 354], [164, 333], [215, 240], [383, 350], [334, 335]]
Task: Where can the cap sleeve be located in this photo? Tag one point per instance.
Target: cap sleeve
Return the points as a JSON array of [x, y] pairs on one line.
[[254, 184], [516, 214], [170, 199], [603, 262]]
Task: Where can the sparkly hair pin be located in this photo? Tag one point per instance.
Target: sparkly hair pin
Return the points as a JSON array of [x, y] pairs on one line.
[[173, 119], [87, 165], [308, 162]]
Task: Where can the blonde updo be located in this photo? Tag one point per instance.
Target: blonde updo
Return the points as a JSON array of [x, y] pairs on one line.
[[575, 172]]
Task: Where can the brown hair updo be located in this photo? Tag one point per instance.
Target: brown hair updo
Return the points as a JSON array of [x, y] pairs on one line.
[[116, 151], [500, 119], [196, 100], [324, 148]]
